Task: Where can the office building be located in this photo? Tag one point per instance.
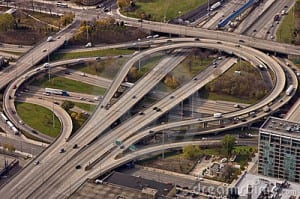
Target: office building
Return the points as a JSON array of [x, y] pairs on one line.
[[279, 149]]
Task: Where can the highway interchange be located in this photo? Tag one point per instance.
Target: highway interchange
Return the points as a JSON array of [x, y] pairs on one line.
[[56, 176]]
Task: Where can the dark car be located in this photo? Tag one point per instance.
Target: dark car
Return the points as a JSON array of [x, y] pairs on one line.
[[78, 167], [75, 146]]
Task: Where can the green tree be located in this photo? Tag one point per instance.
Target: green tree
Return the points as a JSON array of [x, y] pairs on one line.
[[67, 105], [191, 152], [228, 143]]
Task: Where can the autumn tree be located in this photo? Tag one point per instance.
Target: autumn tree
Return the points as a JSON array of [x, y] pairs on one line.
[[7, 22]]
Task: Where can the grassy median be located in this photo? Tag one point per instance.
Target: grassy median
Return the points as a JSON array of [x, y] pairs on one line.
[[96, 53], [39, 118], [285, 32], [68, 85]]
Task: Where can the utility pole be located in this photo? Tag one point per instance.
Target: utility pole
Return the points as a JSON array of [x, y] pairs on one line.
[[139, 52], [163, 141]]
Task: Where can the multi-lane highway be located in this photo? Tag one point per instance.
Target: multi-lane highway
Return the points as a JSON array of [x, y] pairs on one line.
[[133, 127], [56, 176], [213, 34]]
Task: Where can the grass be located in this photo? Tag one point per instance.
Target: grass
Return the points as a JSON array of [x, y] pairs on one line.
[[215, 96], [286, 29], [190, 67], [86, 107], [69, 85], [39, 118], [240, 66], [164, 10], [12, 52], [107, 68], [96, 53]]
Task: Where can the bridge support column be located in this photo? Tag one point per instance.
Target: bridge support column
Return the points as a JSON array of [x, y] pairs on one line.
[[221, 122], [204, 124]]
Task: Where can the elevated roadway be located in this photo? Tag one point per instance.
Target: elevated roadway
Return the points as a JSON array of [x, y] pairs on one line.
[[36, 54], [57, 171], [212, 34], [90, 151]]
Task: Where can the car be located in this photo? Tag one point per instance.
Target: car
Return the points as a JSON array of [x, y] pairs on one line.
[[78, 166], [197, 39], [98, 58], [13, 112], [21, 122], [97, 181], [141, 113], [46, 65], [56, 103], [44, 50], [82, 98], [241, 41], [15, 86], [218, 42], [172, 97], [155, 108], [268, 32], [67, 72], [120, 56], [36, 162], [40, 97], [34, 131], [195, 78], [75, 146], [133, 97], [62, 150], [158, 110], [105, 10]]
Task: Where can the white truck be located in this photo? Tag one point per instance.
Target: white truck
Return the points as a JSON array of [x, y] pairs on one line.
[[217, 115]]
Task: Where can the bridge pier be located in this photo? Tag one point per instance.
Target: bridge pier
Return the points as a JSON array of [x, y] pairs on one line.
[[204, 124]]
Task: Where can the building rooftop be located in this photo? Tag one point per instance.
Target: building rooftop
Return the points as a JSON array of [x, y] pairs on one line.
[[259, 183], [138, 183], [91, 190], [281, 127]]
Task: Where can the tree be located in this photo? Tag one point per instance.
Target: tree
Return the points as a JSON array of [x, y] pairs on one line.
[[228, 172], [191, 152], [67, 105], [228, 143], [7, 22]]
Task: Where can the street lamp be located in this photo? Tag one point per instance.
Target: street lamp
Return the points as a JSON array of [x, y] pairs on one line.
[[163, 141], [139, 52], [49, 61]]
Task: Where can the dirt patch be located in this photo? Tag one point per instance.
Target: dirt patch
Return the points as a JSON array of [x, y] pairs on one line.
[[176, 163]]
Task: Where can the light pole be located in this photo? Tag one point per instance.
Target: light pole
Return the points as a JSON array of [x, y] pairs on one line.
[[192, 105], [49, 72], [139, 52], [53, 112], [163, 141]]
